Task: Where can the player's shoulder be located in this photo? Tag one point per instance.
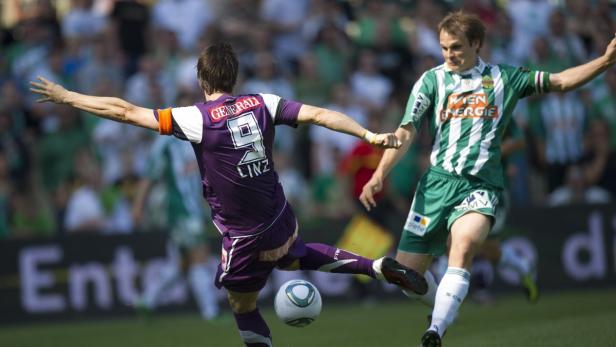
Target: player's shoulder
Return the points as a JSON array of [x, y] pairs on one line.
[[431, 73], [510, 69], [194, 109], [256, 99], [429, 76]]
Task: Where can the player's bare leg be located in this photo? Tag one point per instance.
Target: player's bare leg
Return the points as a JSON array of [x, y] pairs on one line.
[[467, 235], [420, 263], [253, 329]]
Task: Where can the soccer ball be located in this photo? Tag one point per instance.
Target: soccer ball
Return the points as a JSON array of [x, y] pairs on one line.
[[297, 303]]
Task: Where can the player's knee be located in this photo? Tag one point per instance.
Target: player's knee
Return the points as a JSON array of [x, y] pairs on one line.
[[242, 302], [462, 253]]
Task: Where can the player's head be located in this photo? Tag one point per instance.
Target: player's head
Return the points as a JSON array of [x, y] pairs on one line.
[[217, 68], [461, 36]]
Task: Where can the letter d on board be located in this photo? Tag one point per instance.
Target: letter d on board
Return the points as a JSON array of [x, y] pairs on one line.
[[591, 242]]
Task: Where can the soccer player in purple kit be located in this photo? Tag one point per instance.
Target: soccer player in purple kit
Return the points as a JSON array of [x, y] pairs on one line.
[[232, 137]]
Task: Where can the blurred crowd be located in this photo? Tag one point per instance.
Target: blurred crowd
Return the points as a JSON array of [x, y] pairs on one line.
[[62, 171]]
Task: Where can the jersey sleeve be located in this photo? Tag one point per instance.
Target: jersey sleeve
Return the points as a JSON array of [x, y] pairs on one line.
[[526, 82], [185, 123], [282, 111], [420, 101]]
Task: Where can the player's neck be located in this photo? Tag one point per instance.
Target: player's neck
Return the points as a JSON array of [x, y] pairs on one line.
[[213, 96]]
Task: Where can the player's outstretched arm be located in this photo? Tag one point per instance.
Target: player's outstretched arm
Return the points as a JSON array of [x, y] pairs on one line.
[[340, 122], [405, 135], [106, 107], [577, 76]]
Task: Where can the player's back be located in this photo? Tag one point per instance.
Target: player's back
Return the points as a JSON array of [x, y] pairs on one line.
[[234, 152]]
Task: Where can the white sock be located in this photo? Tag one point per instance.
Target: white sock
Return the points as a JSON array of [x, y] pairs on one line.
[[449, 296], [169, 274], [429, 297], [202, 284], [512, 259]]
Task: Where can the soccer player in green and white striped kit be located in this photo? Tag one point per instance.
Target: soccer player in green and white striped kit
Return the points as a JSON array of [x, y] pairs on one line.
[[172, 167], [468, 104]]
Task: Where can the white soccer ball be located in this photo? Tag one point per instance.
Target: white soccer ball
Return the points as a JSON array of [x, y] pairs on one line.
[[298, 303]]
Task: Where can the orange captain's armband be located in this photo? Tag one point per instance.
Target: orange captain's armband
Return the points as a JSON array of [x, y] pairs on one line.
[[165, 125]]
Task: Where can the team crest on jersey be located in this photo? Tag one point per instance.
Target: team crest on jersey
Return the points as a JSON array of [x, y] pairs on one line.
[[487, 82], [417, 223], [478, 199], [468, 105]]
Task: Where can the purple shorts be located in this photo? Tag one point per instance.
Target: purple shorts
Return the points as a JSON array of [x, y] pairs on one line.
[[246, 262]]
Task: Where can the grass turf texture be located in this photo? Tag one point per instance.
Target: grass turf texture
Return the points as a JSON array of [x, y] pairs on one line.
[[570, 319]]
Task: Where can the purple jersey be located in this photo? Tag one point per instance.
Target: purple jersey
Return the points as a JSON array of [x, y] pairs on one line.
[[233, 138]]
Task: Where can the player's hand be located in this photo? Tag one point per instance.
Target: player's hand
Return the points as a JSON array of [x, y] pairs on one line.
[[373, 187], [50, 91], [610, 51], [388, 140]]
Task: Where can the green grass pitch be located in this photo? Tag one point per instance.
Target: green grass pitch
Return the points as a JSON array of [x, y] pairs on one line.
[[582, 318]]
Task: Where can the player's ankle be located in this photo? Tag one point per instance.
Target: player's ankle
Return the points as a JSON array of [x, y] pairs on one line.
[[377, 267]]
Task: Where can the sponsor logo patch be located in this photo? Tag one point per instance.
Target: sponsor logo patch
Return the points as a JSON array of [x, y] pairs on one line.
[[420, 106], [417, 223], [478, 199], [241, 105], [465, 105]]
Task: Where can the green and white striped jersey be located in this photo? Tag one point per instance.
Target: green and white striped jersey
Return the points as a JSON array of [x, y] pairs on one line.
[[173, 163], [468, 113]]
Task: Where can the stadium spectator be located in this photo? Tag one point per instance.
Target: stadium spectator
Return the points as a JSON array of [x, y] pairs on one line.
[[322, 13], [456, 199], [13, 140], [150, 85], [6, 188], [101, 65], [131, 19], [576, 190], [368, 84], [82, 22], [188, 19], [84, 210], [267, 78], [332, 52], [328, 148], [604, 112], [57, 149], [560, 127], [567, 46], [288, 41], [530, 20], [425, 38], [307, 85], [501, 40]]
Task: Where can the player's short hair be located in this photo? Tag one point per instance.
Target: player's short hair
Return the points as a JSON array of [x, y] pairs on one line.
[[217, 68], [461, 22]]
